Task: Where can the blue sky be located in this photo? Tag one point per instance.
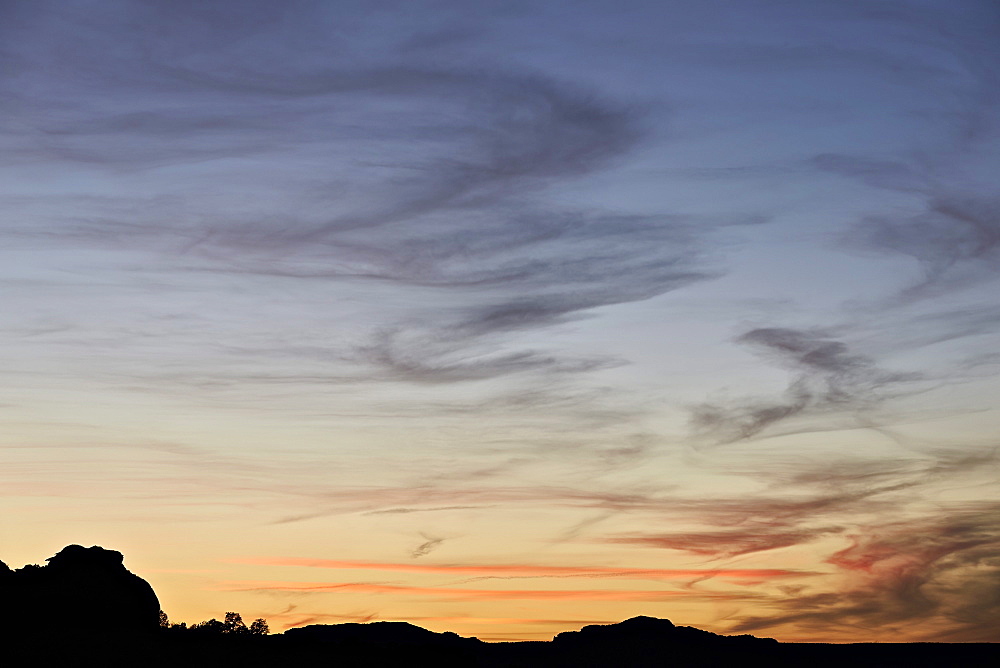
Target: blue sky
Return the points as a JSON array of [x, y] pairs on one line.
[[685, 285]]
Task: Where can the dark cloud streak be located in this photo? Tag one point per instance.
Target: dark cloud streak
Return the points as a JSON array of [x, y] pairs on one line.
[[447, 191], [828, 379]]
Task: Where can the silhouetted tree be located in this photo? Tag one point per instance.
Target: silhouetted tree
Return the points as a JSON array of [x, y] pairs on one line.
[[234, 624], [164, 620]]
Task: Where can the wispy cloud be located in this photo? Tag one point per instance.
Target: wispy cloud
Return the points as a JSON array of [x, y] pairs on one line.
[[953, 232], [806, 504], [731, 542], [919, 579], [828, 379], [463, 222], [430, 543]]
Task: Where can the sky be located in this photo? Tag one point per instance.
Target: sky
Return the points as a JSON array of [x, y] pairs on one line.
[[508, 317]]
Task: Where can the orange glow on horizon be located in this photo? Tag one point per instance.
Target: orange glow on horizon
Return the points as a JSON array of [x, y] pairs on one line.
[[472, 594], [530, 570]]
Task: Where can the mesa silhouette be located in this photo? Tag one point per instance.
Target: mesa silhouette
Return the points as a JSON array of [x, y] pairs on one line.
[[84, 606]]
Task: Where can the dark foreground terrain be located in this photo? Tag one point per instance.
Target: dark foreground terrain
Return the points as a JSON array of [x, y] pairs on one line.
[[85, 608], [286, 650]]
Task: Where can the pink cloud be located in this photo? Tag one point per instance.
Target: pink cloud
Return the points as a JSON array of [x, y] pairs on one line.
[[466, 594], [530, 570]]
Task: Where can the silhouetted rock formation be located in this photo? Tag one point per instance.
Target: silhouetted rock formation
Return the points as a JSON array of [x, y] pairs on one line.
[[380, 633], [640, 641], [85, 591], [647, 641], [382, 644], [649, 631]]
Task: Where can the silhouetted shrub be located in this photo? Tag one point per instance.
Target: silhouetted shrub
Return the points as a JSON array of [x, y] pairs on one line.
[[232, 625]]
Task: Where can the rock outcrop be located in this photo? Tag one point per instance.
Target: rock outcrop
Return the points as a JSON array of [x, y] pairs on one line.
[[649, 631], [81, 591]]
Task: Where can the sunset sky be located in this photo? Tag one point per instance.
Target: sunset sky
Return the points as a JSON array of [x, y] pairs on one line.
[[506, 317]]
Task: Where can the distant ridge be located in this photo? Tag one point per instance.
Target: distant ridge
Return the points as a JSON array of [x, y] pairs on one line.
[[637, 631], [647, 631], [639, 641], [382, 633], [650, 630]]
